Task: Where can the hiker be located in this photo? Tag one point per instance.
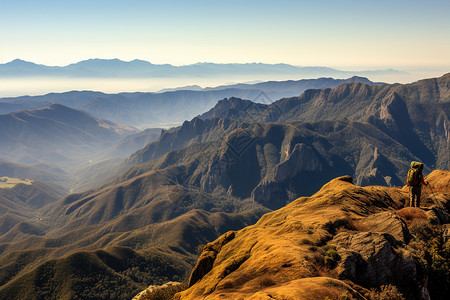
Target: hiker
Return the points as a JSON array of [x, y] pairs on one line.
[[415, 181]]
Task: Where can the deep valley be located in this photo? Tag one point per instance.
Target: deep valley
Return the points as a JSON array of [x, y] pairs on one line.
[[282, 181]]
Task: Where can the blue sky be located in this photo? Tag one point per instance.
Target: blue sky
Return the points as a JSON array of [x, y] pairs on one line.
[[345, 34]]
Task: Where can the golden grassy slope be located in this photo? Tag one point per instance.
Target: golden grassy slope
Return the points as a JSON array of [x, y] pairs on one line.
[[282, 255], [7, 182]]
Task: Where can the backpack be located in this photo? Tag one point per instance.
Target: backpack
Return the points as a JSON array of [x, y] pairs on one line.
[[413, 177]]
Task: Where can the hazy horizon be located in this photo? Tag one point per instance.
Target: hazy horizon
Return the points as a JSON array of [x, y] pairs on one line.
[[350, 34], [338, 67], [347, 35], [33, 86]]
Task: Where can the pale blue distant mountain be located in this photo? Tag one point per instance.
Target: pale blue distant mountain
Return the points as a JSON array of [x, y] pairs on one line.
[[146, 110], [115, 68], [56, 134]]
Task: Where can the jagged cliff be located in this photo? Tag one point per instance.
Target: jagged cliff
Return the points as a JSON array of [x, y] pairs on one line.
[[278, 152], [342, 241]]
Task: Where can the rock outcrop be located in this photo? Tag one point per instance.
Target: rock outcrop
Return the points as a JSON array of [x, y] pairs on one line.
[[158, 291], [373, 259], [340, 242]]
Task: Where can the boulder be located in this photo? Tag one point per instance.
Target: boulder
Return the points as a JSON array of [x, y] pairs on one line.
[[373, 259], [154, 291], [387, 222]]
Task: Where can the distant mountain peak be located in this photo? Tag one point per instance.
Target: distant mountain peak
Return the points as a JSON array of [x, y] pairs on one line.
[[359, 78], [20, 62], [57, 106], [115, 67], [140, 61]]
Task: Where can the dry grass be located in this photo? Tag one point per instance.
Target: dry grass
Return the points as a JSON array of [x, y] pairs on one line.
[[306, 241], [164, 292], [317, 264], [200, 248], [227, 284], [266, 281], [236, 283], [438, 180], [412, 215], [385, 292], [329, 292], [325, 271], [356, 225]]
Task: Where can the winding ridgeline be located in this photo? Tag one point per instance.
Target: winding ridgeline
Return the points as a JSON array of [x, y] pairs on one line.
[[345, 241], [296, 199]]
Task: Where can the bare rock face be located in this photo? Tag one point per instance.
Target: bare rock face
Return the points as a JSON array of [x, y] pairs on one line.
[[206, 261], [273, 193], [387, 222], [438, 215], [373, 259], [155, 289], [446, 234], [388, 110], [302, 158], [375, 169], [270, 194]]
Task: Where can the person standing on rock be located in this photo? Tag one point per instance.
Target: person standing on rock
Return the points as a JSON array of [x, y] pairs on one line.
[[414, 181]]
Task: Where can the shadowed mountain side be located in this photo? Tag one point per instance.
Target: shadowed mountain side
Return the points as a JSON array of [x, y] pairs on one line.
[[103, 167], [293, 252], [158, 195], [111, 273], [407, 113], [146, 110], [55, 134], [130, 144], [420, 125], [274, 163], [176, 241], [147, 211], [41, 172], [18, 220], [10, 207], [417, 115], [19, 206], [234, 108], [194, 131], [281, 89], [36, 195], [142, 110]]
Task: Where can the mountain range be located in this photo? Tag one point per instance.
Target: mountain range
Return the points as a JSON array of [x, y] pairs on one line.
[[293, 146], [54, 134], [167, 109], [148, 215], [107, 68], [57, 144], [135, 109]]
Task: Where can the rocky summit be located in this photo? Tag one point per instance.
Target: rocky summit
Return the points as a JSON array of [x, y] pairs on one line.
[[343, 242]]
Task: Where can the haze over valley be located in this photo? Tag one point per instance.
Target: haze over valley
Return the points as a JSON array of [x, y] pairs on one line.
[[21, 77], [101, 193]]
